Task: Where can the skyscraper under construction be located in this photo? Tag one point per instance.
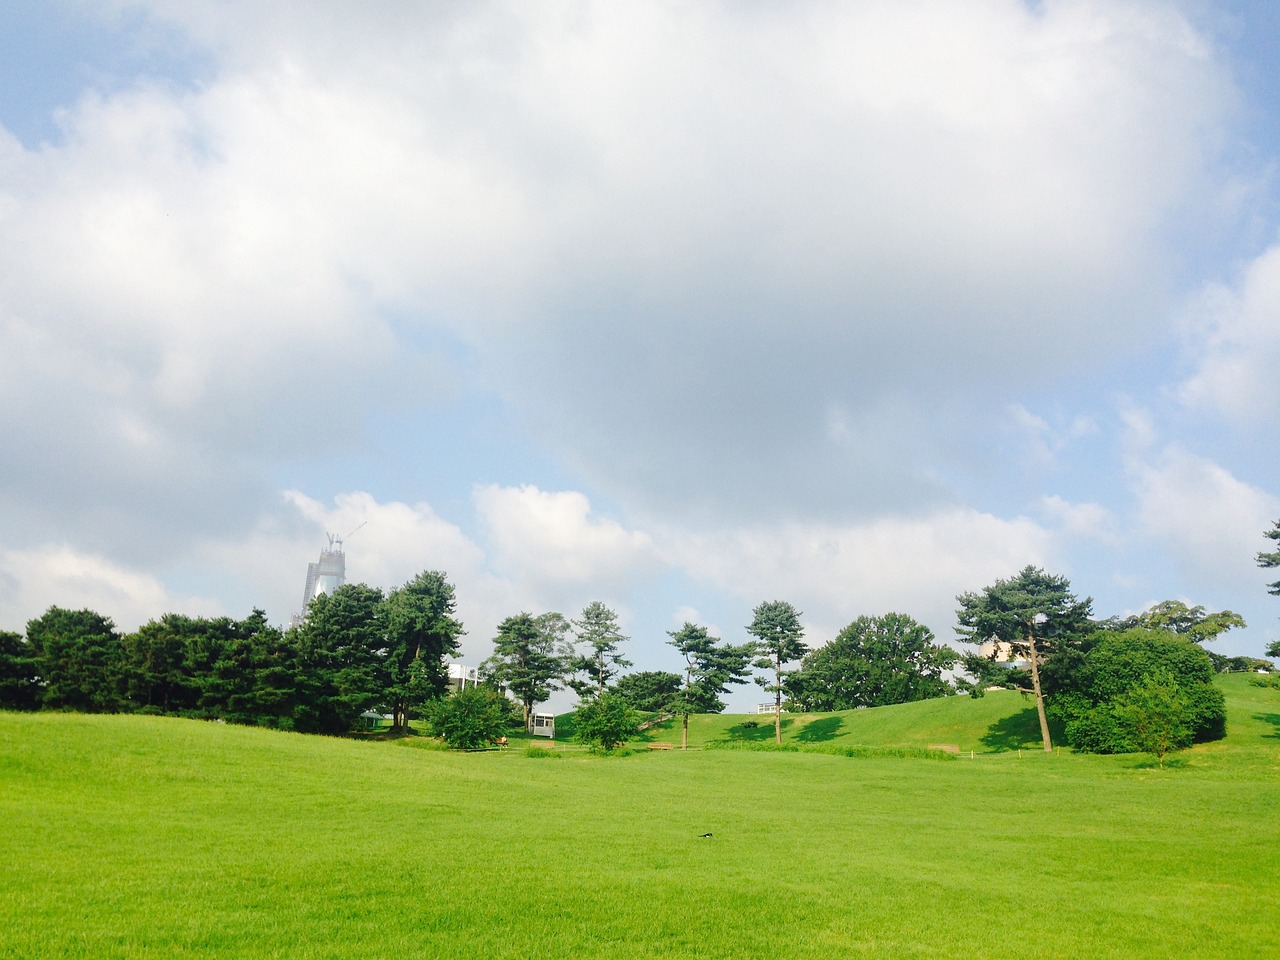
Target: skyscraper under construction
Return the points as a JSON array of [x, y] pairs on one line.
[[324, 576]]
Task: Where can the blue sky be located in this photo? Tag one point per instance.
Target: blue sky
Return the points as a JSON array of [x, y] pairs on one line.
[[678, 307]]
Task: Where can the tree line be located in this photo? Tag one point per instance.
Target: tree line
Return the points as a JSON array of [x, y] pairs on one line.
[[1111, 685]]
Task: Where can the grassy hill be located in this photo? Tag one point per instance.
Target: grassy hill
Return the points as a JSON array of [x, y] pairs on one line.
[[1002, 720], [137, 837]]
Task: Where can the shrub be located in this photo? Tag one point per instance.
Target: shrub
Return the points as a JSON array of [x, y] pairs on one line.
[[606, 721], [470, 718]]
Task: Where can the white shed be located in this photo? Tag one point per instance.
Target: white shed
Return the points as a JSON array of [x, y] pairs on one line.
[[543, 725]]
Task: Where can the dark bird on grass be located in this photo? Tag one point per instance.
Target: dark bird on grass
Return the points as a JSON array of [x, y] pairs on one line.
[[703, 836]]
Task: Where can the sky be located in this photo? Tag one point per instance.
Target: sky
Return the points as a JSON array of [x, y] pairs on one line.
[[680, 307]]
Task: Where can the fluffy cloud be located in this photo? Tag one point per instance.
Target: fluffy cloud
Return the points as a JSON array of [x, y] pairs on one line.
[[1235, 339], [834, 574], [667, 235], [1209, 522], [551, 542], [31, 581]]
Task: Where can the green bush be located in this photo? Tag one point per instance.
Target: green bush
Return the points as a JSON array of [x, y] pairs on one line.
[[1096, 704], [471, 718], [606, 721]]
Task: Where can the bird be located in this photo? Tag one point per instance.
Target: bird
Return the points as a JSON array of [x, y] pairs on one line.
[[703, 836]]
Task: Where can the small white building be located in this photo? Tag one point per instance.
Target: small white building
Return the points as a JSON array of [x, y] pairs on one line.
[[543, 725]]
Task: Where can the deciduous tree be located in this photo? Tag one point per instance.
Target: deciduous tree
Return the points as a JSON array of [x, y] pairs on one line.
[[606, 721], [471, 718], [872, 662]]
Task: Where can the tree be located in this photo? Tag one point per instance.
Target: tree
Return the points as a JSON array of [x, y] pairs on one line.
[[158, 675], [1117, 663], [872, 662], [606, 721], [528, 660], [1155, 715], [79, 659], [421, 630], [19, 674], [468, 719], [710, 667], [1192, 622], [1031, 614], [341, 646], [599, 631], [779, 641], [1270, 561], [649, 691]]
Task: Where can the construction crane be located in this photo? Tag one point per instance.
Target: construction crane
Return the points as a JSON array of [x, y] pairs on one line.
[[335, 541]]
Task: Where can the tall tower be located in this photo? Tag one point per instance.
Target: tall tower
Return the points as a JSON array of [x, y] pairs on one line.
[[329, 573]]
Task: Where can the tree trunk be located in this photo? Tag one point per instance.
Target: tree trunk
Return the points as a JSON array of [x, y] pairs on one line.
[[1035, 684], [777, 706], [684, 737]]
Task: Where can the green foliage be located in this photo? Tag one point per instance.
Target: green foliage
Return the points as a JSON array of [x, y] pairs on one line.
[[80, 661], [872, 662], [779, 640], [1032, 608], [649, 691], [1088, 702], [1155, 715], [1270, 560], [528, 659], [19, 674], [341, 642], [606, 721], [421, 629], [1175, 616], [471, 718], [599, 632]]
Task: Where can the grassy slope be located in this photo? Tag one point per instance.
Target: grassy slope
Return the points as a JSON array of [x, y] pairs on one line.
[[144, 837], [1002, 720]]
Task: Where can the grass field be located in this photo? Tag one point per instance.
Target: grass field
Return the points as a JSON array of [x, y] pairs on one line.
[[149, 837]]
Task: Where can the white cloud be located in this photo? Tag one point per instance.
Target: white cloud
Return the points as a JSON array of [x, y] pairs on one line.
[[31, 581], [834, 574], [1236, 343], [551, 542], [1208, 521]]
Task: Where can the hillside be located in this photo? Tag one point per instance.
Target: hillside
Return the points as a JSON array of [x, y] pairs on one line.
[[144, 837]]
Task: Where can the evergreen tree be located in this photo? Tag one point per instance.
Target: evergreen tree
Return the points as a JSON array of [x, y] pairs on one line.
[[599, 633], [779, 641]]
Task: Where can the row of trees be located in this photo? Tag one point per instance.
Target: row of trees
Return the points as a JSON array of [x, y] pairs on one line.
[[357, 649], [1098, 682]]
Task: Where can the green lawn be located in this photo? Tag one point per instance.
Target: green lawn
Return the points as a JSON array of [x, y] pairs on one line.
[[148, 837]]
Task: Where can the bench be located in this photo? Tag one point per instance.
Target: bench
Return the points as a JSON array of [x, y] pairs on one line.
[[660, 746]]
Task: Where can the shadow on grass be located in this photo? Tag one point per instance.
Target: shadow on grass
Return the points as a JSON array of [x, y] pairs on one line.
[[1170, 763], [1019, 730], [816, 731], [763, 730], [1274, 720]]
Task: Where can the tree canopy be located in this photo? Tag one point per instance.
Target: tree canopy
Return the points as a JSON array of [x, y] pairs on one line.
[[710, 668], [528, 659], [598, 631], [872, 662], [1033, 615], [779, 640]]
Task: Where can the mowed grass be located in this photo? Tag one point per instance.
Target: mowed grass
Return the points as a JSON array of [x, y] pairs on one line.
[[1001, 720], [148, 837]]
